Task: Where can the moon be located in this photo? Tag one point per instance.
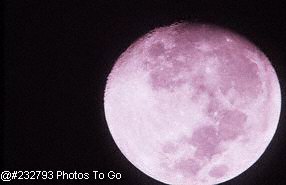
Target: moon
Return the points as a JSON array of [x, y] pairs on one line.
[[191, 104]]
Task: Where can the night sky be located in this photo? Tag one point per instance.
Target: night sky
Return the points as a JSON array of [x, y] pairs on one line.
[[57, 57]]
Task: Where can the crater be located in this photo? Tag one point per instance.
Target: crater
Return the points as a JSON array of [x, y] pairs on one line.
[[156, 49], [218, 171]]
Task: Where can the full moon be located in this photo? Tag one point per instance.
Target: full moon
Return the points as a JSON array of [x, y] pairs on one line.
[[191, 104]]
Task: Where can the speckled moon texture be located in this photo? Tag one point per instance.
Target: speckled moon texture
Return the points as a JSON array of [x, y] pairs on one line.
[[191, 104]]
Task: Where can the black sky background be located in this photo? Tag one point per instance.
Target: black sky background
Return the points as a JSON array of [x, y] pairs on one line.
[[58, 55]]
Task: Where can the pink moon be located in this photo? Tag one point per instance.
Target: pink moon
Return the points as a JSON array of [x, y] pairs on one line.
[[191, 104]]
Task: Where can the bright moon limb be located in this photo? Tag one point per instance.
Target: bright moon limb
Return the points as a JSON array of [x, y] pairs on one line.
[[191, 104]]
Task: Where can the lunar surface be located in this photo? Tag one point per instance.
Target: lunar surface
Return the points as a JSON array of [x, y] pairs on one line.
[[192, 104]]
